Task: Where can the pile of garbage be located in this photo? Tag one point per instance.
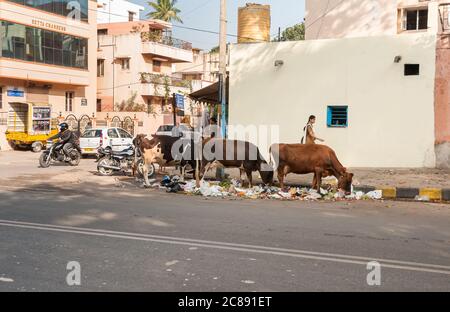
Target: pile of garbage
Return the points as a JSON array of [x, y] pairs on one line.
[[233, 188]]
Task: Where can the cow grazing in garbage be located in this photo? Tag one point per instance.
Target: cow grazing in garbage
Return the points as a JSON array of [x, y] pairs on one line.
[[167, 151], [225, 153], [310, 158]]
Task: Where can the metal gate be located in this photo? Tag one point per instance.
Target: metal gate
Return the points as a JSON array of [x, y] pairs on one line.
[[78, 125], [84, 123], [128, 125], [116, 122], [72, 121]]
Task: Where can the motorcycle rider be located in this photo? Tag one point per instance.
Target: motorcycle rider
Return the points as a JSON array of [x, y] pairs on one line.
[[67, 139]]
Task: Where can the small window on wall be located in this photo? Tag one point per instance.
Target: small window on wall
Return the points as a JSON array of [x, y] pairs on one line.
[[125, 63], [157, 66], [100, 68], [69, 101], [101, 32], [415, 19], [412, 69], [337, 116], [99, 105]]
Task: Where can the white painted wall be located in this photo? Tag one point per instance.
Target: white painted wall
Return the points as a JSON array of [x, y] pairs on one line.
[[391, 117], [114, 11]]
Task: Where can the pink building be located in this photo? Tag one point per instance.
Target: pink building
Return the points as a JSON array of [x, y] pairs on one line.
[[135, 63], [48, 57]]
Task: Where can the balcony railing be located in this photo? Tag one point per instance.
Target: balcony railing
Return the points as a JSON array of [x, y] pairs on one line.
[[158, 37], [161, 79]]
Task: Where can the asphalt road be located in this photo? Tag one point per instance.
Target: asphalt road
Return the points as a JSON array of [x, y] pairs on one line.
[[126, 238]]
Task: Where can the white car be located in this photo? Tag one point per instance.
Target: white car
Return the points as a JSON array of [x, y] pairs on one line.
[[116, 138], [171, 130]]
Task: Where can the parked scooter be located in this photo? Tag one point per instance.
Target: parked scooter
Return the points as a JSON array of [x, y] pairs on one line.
[[54, 152], [110, 161]]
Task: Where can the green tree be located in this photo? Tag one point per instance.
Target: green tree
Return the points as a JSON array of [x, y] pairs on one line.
[[164, 10], [131, 105], [294, 33]]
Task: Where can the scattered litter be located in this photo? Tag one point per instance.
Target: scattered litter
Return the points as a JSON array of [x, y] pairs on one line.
[[234, 189], [248, 282], [171, 262], [375, 194], [422, 198]]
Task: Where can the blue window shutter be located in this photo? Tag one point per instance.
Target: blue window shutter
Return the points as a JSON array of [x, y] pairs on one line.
[[337, 116], [329, 113]]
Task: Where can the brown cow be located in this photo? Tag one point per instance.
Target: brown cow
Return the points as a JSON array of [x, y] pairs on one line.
[[310, 158], [235, 154]]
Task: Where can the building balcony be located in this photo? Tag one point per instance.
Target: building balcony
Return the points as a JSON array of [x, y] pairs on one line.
[[162, 86], [175, 50], [31, 71]]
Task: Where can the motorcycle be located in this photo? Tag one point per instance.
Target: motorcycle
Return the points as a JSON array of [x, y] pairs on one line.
[[122, 161], [54, 152]]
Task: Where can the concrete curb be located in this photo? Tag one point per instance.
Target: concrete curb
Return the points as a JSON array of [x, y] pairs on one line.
[[420, 194]]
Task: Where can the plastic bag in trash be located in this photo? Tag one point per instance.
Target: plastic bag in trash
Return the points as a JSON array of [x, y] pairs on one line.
[[236, 183], [313, 195], [166, 180], [174, 189], [378, 194], [209, 190], [422, 198], [190, 186], [285, 195]]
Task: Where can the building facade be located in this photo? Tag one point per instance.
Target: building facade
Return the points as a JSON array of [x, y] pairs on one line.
[[116, 11], [355, 18], [372, 109], [203, 70], [47, 55], [135, 64], [332, 19]]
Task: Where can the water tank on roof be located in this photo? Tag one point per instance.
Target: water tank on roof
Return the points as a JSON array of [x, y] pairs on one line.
[[254, 23]]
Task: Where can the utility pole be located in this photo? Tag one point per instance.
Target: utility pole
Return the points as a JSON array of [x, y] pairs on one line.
[[220, 173], [223, 65]]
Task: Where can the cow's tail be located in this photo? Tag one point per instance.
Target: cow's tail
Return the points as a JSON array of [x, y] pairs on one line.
[[274, 155]]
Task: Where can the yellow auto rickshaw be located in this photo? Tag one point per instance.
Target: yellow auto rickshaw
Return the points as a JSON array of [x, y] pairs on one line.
[[30, 124]]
